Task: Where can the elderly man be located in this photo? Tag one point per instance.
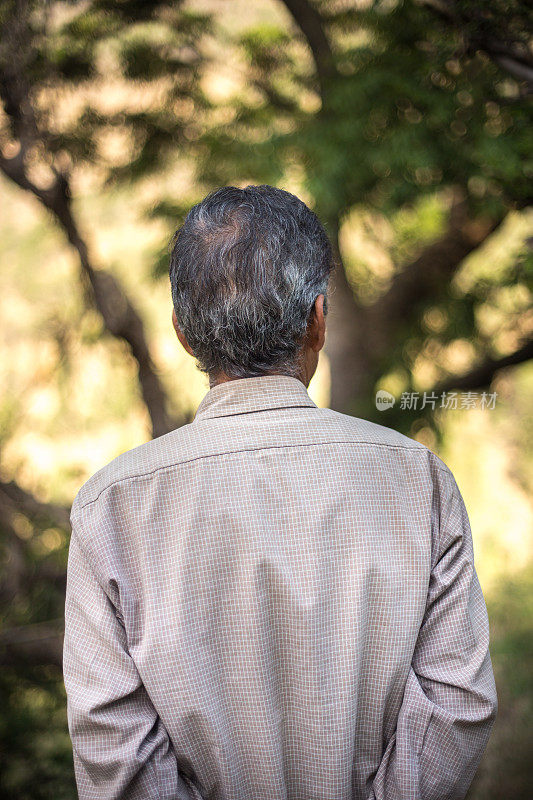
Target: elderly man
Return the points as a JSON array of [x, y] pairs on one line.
[[276, 601]]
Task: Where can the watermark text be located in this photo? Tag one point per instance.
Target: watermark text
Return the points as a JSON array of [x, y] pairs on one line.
[[418, 401]]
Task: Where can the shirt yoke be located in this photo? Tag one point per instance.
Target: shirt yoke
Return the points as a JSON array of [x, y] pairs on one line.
[[218, 436]]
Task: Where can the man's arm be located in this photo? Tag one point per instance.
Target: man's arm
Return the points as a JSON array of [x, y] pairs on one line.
[[450, 702], [121, 748]]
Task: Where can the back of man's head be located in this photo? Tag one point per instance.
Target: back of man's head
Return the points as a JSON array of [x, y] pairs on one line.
[[245, 270]]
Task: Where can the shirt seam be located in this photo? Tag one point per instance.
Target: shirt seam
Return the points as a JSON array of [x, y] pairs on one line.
[[248, 450], [204, 414]]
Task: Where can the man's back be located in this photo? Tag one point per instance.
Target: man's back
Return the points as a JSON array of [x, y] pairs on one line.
[[275, 602]]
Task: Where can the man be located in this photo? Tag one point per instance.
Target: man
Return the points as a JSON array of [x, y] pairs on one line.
[[276, 601]]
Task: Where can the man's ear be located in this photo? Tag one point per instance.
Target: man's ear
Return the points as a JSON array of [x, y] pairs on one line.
[[175, 321], [317, 322], [179, 334]]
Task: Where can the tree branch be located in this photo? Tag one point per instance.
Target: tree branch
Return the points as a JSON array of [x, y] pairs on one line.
[[311, 25], [34, 644], [284, 104], [425, 277], [481, 376], [520, 71], [22, 572], [508, 51], [40, 644], [119, 315], [33, 508], [346, 341]]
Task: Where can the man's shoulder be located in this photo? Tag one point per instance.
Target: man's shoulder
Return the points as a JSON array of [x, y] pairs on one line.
[[384, 439], [141, 461], [191, 441], [365, 431]]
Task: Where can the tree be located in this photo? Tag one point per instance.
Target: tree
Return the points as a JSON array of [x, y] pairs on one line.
[[46, 52], [406, 112], [424, 109]]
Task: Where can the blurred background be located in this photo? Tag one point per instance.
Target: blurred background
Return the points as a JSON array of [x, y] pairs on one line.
[[407, 126]]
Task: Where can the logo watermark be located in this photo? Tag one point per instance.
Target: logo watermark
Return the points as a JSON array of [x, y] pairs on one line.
[[417, 401], [384, 400]]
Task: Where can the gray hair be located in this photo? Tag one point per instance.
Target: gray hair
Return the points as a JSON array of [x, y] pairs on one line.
[[245, 270]]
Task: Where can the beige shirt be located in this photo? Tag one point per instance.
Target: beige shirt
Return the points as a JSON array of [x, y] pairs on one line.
[[275, 602]]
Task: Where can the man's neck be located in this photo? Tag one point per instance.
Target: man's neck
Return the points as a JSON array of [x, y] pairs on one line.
[[222, 378]]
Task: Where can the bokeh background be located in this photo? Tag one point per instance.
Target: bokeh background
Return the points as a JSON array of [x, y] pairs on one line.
[[407, 126]]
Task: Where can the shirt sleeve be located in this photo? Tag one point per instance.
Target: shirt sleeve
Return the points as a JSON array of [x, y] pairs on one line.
[[120, 746], [450, 701]]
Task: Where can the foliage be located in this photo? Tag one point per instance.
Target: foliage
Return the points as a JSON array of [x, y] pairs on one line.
[[67, 57]]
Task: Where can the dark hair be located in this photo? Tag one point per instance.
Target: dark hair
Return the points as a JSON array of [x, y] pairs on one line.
[[245, 270]]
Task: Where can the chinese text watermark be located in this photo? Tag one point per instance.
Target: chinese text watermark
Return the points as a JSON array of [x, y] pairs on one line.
[[417, 401]]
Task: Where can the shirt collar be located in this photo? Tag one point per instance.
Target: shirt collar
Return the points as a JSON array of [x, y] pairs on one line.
[[242, 395]]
